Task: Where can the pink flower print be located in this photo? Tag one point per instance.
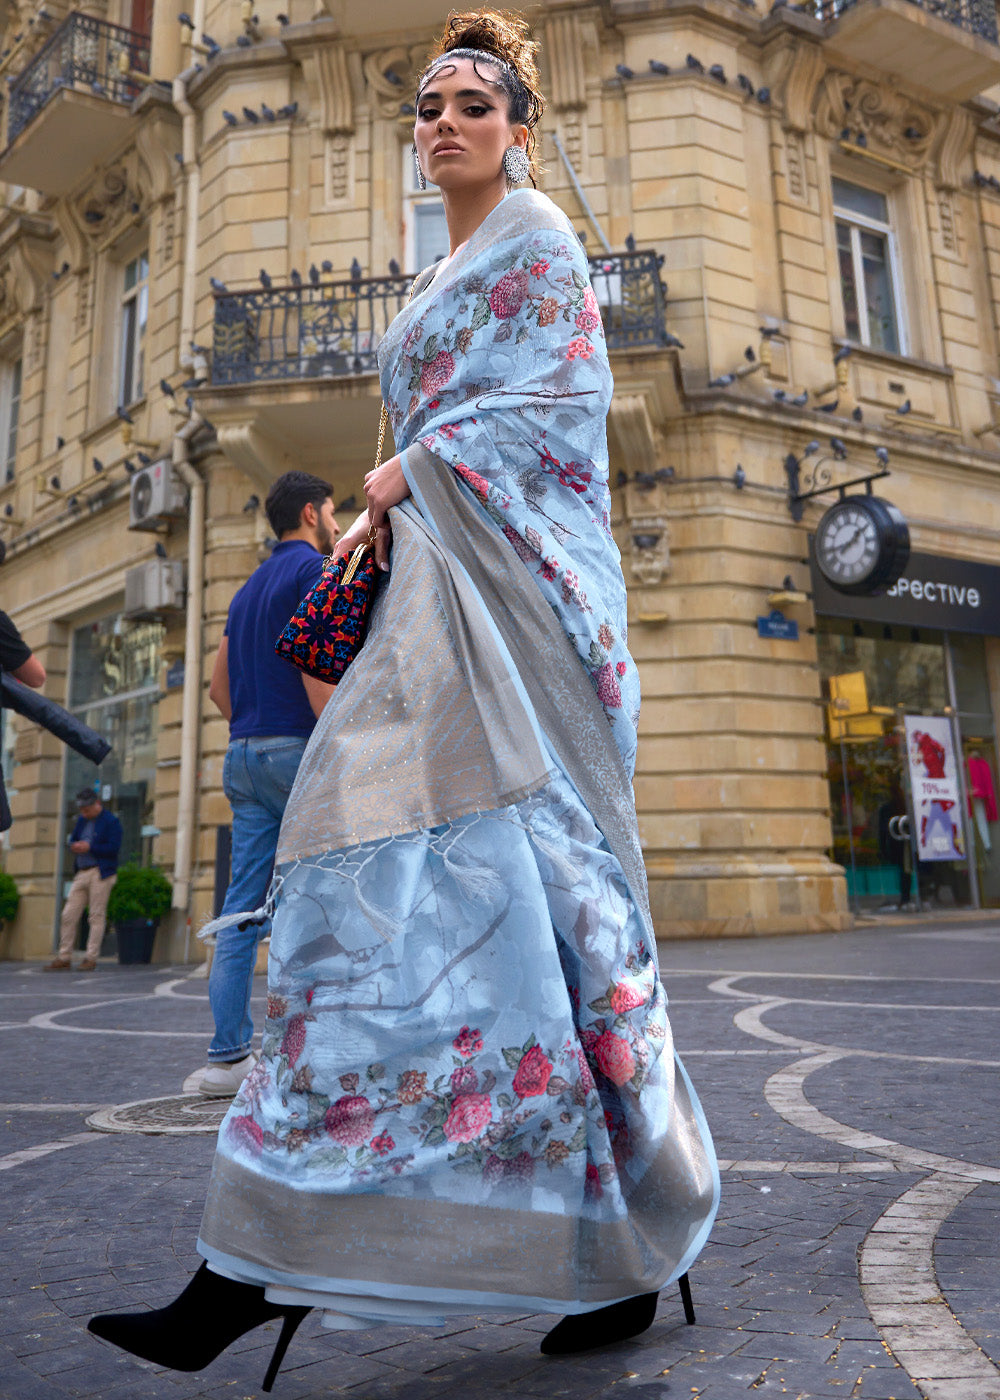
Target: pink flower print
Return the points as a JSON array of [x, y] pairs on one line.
[[588, 1039], [350, 1120], [464, 1080], [539, 268], [532, 1074], [522, 1167], [614, 1058], [586, 1078], [605, 636], [586, 321], [626, 997], [579, 347], [294, 1040], [507, 297], [592, 1188], [548, 310], [383, 1144], [548, 568], [591, 304], [621, 668], [467, 1042], [470, 1115], [434, 375], [412, 1086], [247, 1133], [413, 338], [276, 1006], [608, 689], [478, 483], [522, 548], [493, 1170]]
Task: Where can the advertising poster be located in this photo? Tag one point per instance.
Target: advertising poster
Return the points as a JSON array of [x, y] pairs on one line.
[[934, 780]]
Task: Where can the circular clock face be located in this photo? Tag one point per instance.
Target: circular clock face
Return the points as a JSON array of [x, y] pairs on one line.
[[862, 544]]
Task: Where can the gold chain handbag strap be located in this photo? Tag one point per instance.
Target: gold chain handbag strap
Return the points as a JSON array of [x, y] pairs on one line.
[[354, 563]]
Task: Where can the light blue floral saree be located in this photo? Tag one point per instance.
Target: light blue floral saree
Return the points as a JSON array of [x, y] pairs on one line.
[[468, 1097]]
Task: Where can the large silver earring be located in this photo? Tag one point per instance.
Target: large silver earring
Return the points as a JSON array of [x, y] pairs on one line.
[[516, 165], [421, 177]]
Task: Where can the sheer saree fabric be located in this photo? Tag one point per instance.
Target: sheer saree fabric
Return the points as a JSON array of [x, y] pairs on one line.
[[468, 1097]]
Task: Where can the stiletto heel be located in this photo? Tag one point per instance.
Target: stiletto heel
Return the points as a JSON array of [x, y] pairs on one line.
[[602, 1327], [293, 1316], [199, 1324]]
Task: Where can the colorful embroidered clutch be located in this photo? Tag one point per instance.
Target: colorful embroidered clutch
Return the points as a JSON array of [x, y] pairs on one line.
[[326, 630]]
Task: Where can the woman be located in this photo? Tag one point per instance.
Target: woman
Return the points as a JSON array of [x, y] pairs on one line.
[[467, 1099]]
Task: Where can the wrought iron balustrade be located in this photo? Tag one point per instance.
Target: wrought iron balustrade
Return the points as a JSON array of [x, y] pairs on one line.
[[977, 17], [84, 54], [331, 330]]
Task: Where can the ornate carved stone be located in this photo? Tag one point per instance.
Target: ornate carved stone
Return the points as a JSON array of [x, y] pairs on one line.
[[794, 70], [111, 204], [335, 90], [892, 123], [649, 548], [563, 47], [338, 167], [958, 133], [391, 77]]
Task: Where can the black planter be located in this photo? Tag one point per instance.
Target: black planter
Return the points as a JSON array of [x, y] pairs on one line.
[[135, 940]]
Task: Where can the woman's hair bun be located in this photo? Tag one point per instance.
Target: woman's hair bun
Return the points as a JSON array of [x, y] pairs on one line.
[[494, 31], [505, 35]]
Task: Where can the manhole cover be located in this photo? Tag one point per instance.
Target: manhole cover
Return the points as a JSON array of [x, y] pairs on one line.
[[180, 1113]]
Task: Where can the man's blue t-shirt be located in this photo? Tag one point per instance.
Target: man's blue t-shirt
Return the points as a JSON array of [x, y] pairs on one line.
[[266, 693]]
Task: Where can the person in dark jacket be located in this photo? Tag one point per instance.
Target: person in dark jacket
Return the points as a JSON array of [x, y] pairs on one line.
[[95, 842]]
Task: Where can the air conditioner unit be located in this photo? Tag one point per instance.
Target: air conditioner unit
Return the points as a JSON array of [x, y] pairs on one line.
[[157, 586], [155, 495]]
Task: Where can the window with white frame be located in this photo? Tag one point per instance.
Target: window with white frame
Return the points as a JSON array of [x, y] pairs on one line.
[[10, 412], [134, 313], [424, 227], [869, 270]]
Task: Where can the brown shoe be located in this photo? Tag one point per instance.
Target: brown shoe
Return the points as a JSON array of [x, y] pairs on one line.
[[88, 965], [58, 965]]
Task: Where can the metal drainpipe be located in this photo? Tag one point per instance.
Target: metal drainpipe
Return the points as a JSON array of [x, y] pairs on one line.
[[191, 696]]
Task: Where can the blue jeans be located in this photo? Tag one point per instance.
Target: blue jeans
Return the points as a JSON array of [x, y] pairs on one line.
[[257, 777]]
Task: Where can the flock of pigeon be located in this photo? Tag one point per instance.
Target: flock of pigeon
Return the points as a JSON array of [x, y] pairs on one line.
[[695, 65]]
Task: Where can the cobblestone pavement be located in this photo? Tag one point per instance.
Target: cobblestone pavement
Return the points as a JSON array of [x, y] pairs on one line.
[[851, 1084]]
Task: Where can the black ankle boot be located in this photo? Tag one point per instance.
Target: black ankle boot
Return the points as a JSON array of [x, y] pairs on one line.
[[615, 1323], [196, 1327]]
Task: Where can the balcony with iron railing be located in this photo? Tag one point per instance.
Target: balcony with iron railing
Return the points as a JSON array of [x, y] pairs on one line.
[[332, 330], [69, 106], [951, 48]]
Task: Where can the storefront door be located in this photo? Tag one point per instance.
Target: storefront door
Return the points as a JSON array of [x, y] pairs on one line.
[[911, 762]]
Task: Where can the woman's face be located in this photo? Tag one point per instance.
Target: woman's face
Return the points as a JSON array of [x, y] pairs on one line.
[[463, 126]]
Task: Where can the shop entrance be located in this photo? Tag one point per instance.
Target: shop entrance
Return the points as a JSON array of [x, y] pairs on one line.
[[912, 765]]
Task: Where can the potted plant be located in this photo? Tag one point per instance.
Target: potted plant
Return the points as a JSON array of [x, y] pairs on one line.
[[10, 897], [139, 899]]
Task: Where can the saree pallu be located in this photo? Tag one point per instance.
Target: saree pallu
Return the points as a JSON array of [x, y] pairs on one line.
[[468, 1097]]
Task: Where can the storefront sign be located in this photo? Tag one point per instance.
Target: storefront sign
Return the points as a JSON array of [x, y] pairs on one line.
[[934, 780], [954, 595]]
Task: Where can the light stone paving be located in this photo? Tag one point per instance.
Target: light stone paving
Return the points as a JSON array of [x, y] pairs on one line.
[[896, 1260]]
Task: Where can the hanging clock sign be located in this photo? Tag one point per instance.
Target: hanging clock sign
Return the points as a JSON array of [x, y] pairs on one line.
[[862, 545]]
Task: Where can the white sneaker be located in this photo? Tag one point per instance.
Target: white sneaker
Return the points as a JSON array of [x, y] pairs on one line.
[[224, 1080]]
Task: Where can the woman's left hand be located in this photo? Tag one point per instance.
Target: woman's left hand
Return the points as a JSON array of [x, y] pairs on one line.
[[385, 487]]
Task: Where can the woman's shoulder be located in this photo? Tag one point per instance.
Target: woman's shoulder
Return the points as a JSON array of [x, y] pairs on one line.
[[526, 212]]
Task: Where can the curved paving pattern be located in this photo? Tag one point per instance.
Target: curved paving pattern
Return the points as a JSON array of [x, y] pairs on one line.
[[851, 1082]]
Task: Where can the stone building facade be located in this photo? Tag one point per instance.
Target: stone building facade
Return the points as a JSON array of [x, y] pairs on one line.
[[822, 183]]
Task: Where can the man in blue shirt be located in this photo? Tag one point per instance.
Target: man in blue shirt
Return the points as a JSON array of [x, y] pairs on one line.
[[95, 842], [272, 708]]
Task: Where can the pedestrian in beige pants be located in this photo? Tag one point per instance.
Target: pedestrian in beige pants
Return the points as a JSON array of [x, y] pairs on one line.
[[88, 891], [95, 843]]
